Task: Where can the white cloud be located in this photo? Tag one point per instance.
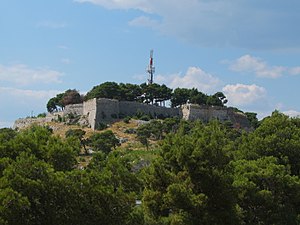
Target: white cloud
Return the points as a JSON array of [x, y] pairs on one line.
[[23, 75], [6, 124], [66, 61], [25, 94], [250, 64], [19, 103], [64, 47], [143, 5], [235, 23], [295, 70], [242, 94], [51, 24], [194, 77], [292, 113], [144, 21]]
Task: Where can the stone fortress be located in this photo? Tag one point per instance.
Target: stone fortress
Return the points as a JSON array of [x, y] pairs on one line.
[[97, 111]]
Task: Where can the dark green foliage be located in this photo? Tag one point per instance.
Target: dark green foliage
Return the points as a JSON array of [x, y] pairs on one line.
[[268, 194], [218, 99], [104, 141], [38, 141], [182, 96], [153, 129], [276, 136], [41, 115], [101, 126], [63, 99], [62, 155], [145, 117], [71, 97], [207, 174], [155, 93], [143, 133], [191, 183], [78, 134], [126, 119], [7, 136], [105, 90], [130, 92], [171, 124], [31, 192], [251, 116], [40, 185]]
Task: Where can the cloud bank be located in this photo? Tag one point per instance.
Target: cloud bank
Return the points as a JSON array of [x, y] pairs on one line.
[[242, 94], [250, 64], [21, 74], [194, 77], [253, 24]]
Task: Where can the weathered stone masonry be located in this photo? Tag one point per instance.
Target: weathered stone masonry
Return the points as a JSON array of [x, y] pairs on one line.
[[102, 110], [109, 110]]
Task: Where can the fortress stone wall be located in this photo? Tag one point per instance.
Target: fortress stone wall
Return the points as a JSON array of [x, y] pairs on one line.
[[97, 111], [109, 110], [205, 113], [131, 108], [76, 109]]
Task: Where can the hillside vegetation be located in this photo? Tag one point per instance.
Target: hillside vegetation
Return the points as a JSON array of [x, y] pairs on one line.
[[182, 172], [151, 93]]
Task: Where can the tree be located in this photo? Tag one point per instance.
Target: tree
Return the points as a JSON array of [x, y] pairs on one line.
[[276, 136], [268, 194], [52, 104], [61, 154], [143, 134], [13, 207], [180, 96], [7, 136], [105, 90], [79, 134], [25, 180], [104, 141], [55, 103], [218, 99], [155, 93], [31, 192], [191, 183], [164, 94], [61, 100], [71, 97], [171, 124], [252, 117], [130, 92], [197, 97], [32, 140]]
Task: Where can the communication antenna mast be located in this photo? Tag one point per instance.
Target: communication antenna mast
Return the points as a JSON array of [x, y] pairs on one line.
[[151, 68]]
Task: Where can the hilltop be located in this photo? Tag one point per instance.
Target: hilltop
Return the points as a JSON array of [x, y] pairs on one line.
[[110, 102]]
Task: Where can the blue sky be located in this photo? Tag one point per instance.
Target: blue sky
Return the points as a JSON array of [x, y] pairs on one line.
[[249, 50]]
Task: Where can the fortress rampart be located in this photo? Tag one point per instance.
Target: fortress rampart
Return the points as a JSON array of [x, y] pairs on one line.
[[102, 110]]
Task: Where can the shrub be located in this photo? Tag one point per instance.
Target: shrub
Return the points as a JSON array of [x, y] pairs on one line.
[[127, 119], [101, 126]]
